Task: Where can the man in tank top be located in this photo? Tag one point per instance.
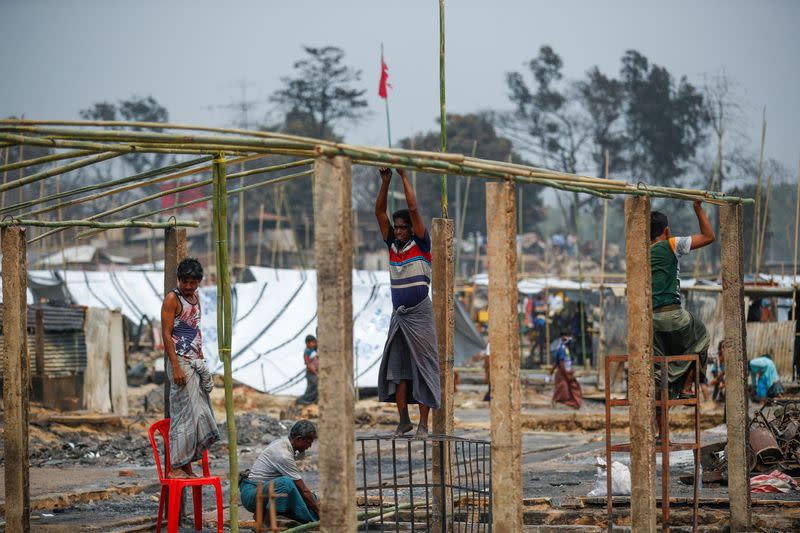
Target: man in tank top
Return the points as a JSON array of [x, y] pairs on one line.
[[192, 425]]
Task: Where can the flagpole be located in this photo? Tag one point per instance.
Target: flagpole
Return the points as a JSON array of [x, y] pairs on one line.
[[389, 136]]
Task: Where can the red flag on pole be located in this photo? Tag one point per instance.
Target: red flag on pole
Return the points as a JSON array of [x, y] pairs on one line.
[[384, 83]]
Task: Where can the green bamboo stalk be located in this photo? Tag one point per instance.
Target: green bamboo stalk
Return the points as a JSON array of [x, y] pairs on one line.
[[757, 216], [463, 216], [58, 170], [224, 327], [442, 107], [11, 221], [45, 159], [97, 186], [272, 181]]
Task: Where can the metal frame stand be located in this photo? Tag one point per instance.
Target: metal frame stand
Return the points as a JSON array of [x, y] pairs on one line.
[[665, 447]]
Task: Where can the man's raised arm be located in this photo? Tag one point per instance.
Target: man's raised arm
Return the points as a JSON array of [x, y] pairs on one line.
[[706, 235], [381, 203], [411, 199]]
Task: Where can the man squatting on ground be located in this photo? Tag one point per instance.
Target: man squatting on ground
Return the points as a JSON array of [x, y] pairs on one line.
[[409, 371], [676, 331], [192, 425], [278, 463]]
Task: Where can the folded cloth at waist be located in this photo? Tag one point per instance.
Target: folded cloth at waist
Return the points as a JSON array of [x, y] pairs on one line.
[[666, 308]]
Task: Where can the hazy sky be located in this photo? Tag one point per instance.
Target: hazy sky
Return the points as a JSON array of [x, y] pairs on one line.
[[60, 56]]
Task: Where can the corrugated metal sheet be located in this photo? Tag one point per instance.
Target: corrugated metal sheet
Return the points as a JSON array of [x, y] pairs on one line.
[[64, 353], [776, 339], [55, 318], [64, 340]]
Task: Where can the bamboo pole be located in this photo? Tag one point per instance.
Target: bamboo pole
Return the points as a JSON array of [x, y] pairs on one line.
[[601, 353], [763, 226], [5, 178], [43, 159], [260, 233], [442, 105], [10, 221], [757, 216], [463, 215], [300, 254], [276, 194], [224, 327], [56, 171], [272, 181], [796, 228], [137, 202], [97, 186]]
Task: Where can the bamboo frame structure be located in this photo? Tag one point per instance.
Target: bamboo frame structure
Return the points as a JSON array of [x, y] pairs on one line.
[[91, 136], [91, 142]]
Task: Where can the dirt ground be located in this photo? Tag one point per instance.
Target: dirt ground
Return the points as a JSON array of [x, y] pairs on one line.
[[97, 473]]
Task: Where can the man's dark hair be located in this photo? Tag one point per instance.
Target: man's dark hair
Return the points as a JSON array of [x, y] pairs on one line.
[[310, 338], [302, 429], [767, 355], [190, 268], [404, 214], [658, 223]]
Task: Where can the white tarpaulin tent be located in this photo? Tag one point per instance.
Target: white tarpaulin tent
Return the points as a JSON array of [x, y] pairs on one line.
[[271, 318]]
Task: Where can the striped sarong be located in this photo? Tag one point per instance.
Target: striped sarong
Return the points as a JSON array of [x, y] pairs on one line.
[[411, 353], [192, 425]]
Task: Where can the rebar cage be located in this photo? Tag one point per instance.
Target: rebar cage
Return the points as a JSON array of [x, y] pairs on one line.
[[400, 481]]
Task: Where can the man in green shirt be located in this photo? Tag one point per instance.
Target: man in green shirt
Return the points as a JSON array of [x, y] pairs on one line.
[[676, 331]]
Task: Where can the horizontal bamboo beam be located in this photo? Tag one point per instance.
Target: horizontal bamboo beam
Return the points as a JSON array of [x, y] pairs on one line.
[[138, 201], [58, 170], [92, 224], [44, 159], [106, 184], [132, 186], [75, 135], [230, 192]]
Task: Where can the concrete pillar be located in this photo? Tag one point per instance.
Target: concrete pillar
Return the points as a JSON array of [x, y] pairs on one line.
[[16, 380], [332, 206], [175, 251], [442, 291], [641, 387], [735, 366], [501, 223]]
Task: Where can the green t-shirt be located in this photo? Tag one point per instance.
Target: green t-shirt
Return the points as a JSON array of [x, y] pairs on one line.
[[664, 266]]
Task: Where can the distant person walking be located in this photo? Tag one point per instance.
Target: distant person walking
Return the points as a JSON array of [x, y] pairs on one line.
[[567, 390], [311, 360], [409, 371], [192, 425]]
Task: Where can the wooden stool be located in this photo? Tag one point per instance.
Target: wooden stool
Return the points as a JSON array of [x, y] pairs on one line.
[[273, 515]]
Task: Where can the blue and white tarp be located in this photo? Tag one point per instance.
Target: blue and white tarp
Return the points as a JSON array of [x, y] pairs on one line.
[[271, 317]]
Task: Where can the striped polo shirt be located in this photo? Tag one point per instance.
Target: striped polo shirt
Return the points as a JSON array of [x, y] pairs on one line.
[[409, 269]]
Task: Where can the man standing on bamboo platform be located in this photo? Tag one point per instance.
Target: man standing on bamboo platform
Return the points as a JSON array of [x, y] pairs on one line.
[[409, 371], [192, 426], [676, 331]]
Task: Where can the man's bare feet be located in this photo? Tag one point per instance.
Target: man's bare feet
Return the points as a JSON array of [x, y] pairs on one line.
[[422, 433], [403, 428]]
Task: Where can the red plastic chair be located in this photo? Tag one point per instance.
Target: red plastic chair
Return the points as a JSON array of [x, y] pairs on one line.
[[175, 486]]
